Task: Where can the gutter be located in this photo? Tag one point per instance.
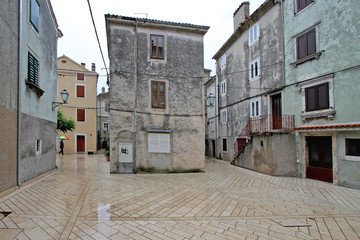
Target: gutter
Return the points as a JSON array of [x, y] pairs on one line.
[[18, 182]]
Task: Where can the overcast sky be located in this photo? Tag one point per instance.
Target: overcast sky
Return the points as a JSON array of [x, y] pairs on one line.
[[79, 40]]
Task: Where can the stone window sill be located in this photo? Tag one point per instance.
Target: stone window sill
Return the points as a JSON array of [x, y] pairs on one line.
[[329, 113], [305, 59], [39, 92]]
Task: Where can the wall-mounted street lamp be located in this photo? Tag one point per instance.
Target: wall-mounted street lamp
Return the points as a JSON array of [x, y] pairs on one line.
[[211, 99], [64, 96]]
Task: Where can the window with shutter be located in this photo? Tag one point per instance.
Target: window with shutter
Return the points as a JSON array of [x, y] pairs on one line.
[[34, 14], [159, 142], [223, 88], [80, 91], [306, 44], [80, 77], [317, 97], [255, 107], [33, 69], [157, 46], [301, 4], [254, 33], [80, 115]]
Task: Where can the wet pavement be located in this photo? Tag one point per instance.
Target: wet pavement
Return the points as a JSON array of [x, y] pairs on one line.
[[81, 200]]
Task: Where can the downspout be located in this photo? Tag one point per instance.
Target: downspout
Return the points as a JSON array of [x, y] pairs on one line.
[[136, 90], [216, 116], [19, 99]]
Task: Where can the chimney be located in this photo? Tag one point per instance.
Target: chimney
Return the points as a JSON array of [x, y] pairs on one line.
[[83, 64], [241, 14], [103, 90], [93, 67]]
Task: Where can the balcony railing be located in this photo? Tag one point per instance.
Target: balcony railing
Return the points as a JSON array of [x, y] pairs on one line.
[[264, 124], [272, 124]]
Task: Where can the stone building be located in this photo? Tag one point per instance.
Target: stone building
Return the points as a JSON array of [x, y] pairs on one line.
[[103, 119], [81, 85], [252, 130], [322, 77], [156, 94], [28, 87]]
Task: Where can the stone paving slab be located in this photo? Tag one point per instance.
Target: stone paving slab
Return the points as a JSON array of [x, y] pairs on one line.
[[81, 200]]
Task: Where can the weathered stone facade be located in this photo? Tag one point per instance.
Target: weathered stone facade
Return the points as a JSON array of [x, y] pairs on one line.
[[9, 64], [142, 135], [330, 68], [103, 119], [250, 84]]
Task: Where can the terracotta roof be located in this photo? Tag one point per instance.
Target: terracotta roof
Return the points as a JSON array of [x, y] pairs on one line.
[[147, 20], [329, 126]]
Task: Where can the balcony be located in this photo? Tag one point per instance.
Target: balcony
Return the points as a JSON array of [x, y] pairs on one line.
[[272, 124], [260, 125]]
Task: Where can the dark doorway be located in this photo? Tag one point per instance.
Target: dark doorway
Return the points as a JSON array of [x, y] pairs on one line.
[[207, 150], [320, 158], [213, 148], [276, 111], [80, 143]]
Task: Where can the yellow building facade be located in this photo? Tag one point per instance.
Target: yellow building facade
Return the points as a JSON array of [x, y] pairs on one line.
[[81, 85]]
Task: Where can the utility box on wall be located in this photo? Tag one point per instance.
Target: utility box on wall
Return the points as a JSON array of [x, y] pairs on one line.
[[125, 158]]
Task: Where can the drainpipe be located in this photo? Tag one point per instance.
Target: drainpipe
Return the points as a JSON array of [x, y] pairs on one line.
[[19, 99], [136, 90], [216, 116]]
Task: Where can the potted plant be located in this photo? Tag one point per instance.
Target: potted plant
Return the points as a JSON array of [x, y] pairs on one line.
[[107, 155]]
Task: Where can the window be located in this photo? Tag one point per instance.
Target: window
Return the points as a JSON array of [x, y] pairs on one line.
[[224, 116], [105, 126], [254, 34], [224, 145], [306, 44], [37, 147], [158, 94], [223, 61], [255, 108], [212, 126], [80, 77], [80, 91], [352, 147], [223, 88], [159, 143], [317, 97], [80, 115], [301, 4], [157, 47], [34, 14], [254, 69], [33, 69]]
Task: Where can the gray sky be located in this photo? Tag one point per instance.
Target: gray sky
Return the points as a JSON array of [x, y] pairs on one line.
[[79, 40]]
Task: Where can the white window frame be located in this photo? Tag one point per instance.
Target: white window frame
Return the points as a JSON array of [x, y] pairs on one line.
[[223, 88], [224, 119], [212, 126], [223, 61], [254, 34], [80, 80], [38, 150], [106, 128], [350, 157], [76, 115], [84, 91], [255, 107], [326, 79], [255, 63], [159, 142]]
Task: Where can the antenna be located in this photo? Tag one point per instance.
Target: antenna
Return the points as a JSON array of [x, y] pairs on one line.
[[146, 14]]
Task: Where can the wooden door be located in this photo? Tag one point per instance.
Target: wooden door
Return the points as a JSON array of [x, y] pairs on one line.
[[80, 143], [276, 111], [320, 158]]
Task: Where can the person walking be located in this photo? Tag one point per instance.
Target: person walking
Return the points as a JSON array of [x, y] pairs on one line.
[[61, 147]]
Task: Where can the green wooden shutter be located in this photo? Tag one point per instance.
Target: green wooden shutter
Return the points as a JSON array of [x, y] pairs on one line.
[[33, 70]]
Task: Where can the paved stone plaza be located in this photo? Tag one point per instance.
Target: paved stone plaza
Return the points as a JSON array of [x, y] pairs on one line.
[[81, 200]]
